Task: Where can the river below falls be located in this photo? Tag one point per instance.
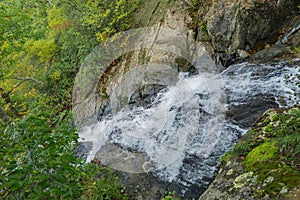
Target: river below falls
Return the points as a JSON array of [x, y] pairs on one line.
[[180, 137]]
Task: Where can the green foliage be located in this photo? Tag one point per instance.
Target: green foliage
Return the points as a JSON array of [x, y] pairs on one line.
[[47, 41], [37, 163], [42, 44], [170, 196], [203, 26], [245, 146], [225, 157], [107, 17], [198, 9]]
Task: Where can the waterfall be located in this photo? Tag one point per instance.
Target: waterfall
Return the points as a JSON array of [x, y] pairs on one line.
[[182, 134]]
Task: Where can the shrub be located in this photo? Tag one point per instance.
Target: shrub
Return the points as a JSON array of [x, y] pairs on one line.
[[36, 162]]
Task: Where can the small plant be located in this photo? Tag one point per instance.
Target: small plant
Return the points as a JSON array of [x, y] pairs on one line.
[[170, 196], [225, 157], [203, 26]]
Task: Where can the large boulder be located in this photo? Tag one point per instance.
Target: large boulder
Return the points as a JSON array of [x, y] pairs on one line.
[[242, 24]]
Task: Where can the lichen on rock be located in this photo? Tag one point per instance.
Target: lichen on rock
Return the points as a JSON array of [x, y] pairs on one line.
[[243, 180]]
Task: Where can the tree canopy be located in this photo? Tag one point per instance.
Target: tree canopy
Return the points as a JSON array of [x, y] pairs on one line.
[[42, 44]]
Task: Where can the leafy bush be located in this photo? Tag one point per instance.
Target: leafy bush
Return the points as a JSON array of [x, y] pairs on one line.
[[42, 44], [36, 162], [47, 41]]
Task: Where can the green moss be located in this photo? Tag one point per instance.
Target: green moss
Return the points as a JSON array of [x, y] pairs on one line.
[[283, 176], [260, 155], [297, 50], [225, 157], [171, 196]]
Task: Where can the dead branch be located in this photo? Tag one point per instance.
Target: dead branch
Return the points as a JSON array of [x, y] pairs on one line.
[[28, 79]]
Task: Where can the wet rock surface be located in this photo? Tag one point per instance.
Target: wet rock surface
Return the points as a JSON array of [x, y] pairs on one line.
[[247, 113], [145, 95]]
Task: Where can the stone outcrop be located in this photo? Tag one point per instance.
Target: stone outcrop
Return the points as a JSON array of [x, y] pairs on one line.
[[158, 54], [285, 48], [246, 24], [247, 113], [232, 184], [234, 27]]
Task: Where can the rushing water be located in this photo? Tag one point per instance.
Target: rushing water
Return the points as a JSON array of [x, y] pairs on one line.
[[181, 135]]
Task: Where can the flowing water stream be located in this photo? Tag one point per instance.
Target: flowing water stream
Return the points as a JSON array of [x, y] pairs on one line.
[[182, 134]]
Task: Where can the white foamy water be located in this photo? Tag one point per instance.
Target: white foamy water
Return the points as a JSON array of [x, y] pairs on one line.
[[166, 130], [183, 133]]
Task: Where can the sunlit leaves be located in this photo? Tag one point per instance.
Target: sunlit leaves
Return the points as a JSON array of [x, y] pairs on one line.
[[42, 44], [107, 17], [42, 50], [56, 20]]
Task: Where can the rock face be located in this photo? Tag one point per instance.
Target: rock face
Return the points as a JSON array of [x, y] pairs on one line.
[[170, 49], [247, 113], [160, 53], [284, 48], [153, 58], [243, 24], [231, 186], [234, 27]]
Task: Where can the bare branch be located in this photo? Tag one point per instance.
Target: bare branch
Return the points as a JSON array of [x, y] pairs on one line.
[[51, 3], [6, 97], [28, 79]]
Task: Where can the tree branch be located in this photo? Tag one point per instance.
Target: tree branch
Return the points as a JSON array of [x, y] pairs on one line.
[[3, 115], [6, 97], [28, 79], [50, 2]]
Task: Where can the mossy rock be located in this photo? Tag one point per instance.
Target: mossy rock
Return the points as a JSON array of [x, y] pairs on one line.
[[271, 151], [258, 157]]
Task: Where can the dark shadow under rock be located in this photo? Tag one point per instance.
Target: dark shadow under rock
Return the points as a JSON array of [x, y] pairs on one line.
[[145, 95]]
